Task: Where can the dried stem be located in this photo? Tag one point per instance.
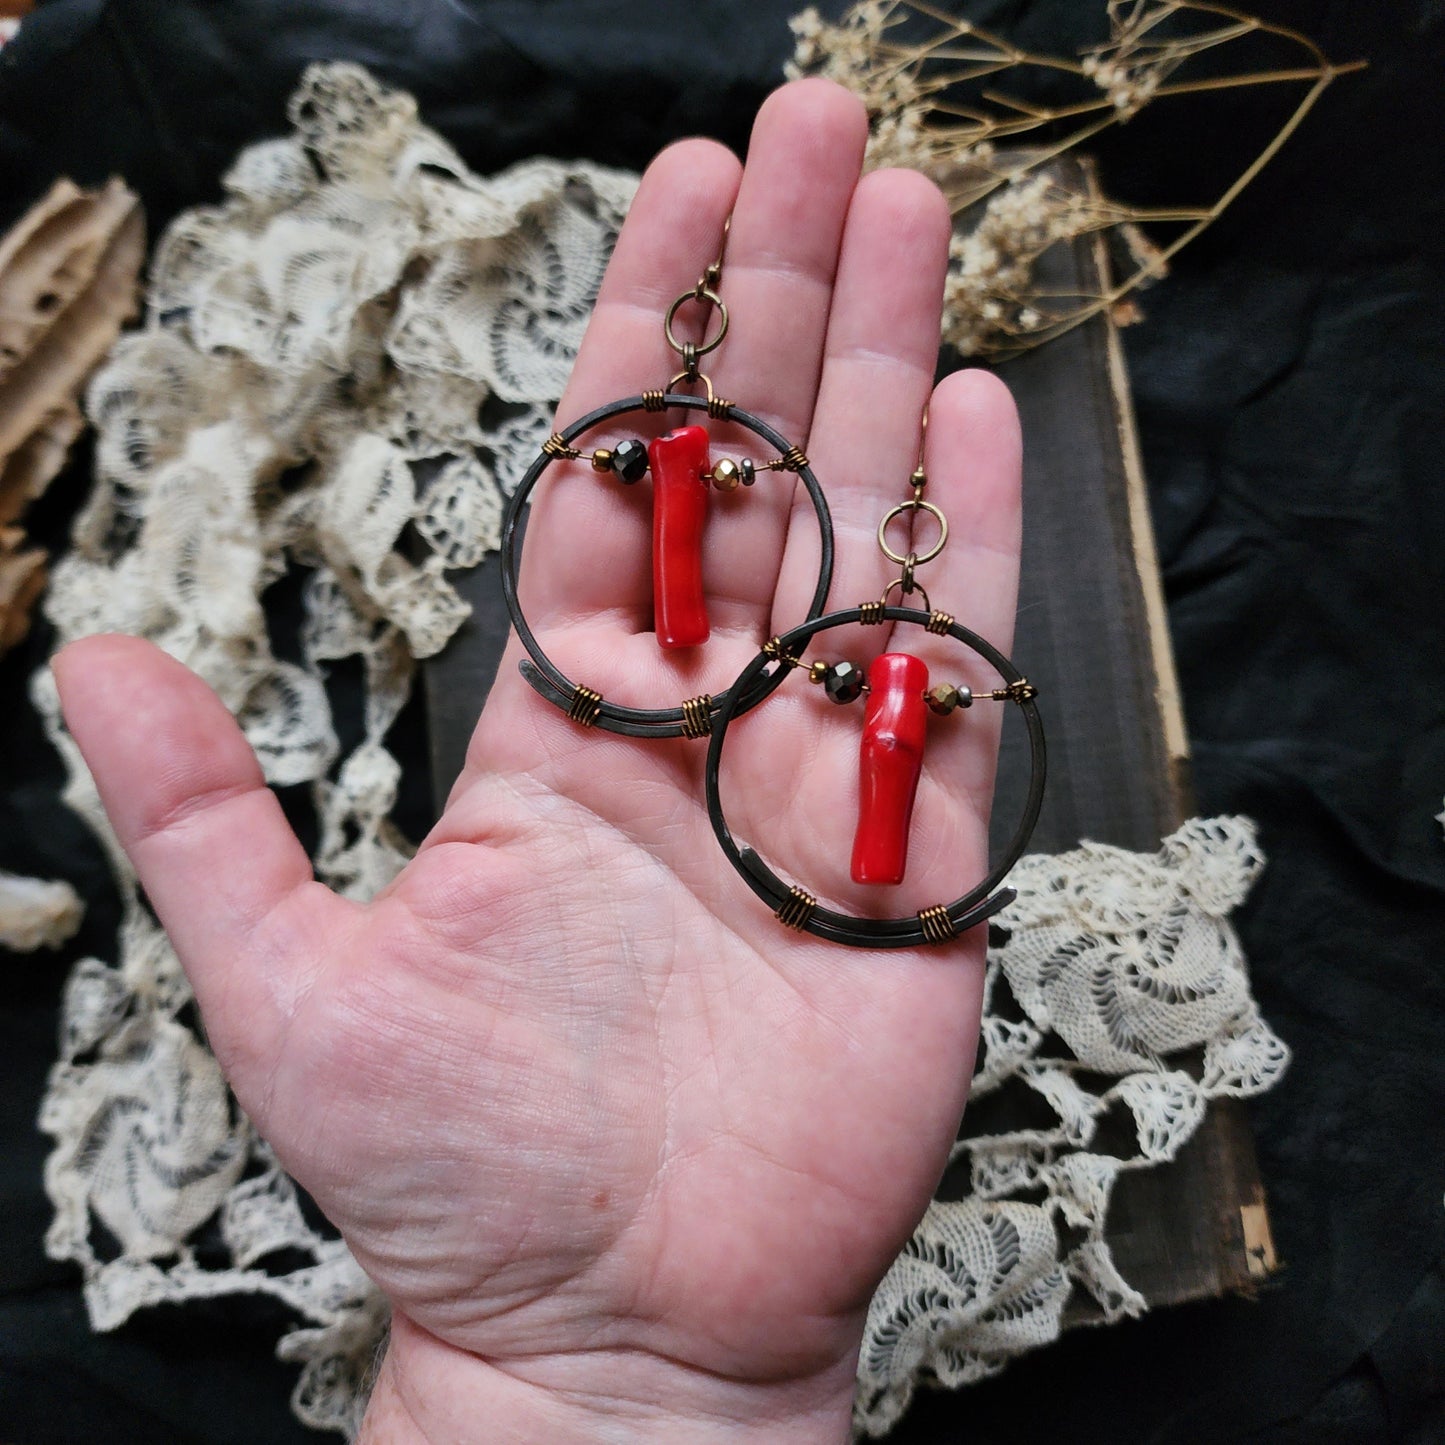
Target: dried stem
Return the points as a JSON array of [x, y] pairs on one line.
[[936, 104]]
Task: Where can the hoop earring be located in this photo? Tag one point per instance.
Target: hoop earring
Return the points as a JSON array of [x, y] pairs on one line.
[[899, 701], [694, 717], [682, 472]]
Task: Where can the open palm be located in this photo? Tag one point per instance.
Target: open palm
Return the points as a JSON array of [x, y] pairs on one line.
[[614, 1143]]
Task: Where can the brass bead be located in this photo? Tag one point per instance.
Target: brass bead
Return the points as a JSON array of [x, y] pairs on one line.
[[601, 460], [726, 475], [942, 699], [817, 672]]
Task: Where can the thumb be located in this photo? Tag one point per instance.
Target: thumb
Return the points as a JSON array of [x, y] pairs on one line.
[[225, 874]]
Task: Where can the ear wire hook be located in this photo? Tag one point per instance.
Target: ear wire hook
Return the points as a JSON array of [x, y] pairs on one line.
[[919, 479], [710, 278]]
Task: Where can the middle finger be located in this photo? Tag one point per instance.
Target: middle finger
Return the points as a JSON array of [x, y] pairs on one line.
[[803, 164]]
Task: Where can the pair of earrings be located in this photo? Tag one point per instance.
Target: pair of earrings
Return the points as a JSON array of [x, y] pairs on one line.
[[896, 687]]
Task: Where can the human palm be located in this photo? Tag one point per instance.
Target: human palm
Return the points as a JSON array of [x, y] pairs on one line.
[[614, 1143]]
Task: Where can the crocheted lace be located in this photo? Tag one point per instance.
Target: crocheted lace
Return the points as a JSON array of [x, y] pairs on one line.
[[307, 398], [1115, 968]]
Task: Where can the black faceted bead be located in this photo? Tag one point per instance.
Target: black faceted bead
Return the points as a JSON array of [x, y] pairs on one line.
[[844, 682], [629, 461]]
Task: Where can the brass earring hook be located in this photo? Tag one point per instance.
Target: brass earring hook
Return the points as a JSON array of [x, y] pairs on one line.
[[919, 479]]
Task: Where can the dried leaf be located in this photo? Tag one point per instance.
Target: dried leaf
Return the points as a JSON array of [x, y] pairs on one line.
[[69, 273]]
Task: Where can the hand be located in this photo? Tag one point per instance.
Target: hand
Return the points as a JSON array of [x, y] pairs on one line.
[[627, 1157]]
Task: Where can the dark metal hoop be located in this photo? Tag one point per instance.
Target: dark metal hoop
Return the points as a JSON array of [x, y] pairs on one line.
[[578, 701], [798, 909]]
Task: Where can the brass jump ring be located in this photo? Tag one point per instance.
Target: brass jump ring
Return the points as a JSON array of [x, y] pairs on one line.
[[913, 504], [703, 347]]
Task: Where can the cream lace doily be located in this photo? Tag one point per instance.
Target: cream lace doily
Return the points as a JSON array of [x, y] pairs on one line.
[[1115, 964], [306, 397]]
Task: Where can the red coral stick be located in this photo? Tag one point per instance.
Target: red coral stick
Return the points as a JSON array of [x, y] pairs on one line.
[[889, 763], [679, 509]]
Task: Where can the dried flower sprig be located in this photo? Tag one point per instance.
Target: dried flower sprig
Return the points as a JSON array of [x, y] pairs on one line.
[[936, 103]]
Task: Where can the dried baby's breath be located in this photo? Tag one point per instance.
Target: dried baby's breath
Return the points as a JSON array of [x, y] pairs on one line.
[[933, 86]]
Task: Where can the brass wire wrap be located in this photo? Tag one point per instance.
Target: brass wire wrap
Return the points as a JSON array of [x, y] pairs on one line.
[[936, 924], [774, 648], [939, 623], [872, 613], [697, 716], [1021, 691], [917, 587], [797, 908], [719, 407], [586, 704], [794, 459], [556, 446], [683, 379], [654, 399]]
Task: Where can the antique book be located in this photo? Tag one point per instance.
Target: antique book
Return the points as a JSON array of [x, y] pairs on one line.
[[1092, 633]]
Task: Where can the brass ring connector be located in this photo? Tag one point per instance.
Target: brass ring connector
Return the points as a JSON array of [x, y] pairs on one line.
[[702, 293], [697, 716], [797, 908], [913, 504]]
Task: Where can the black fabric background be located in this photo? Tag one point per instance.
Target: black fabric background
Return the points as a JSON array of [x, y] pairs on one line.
[[1289, 390]]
